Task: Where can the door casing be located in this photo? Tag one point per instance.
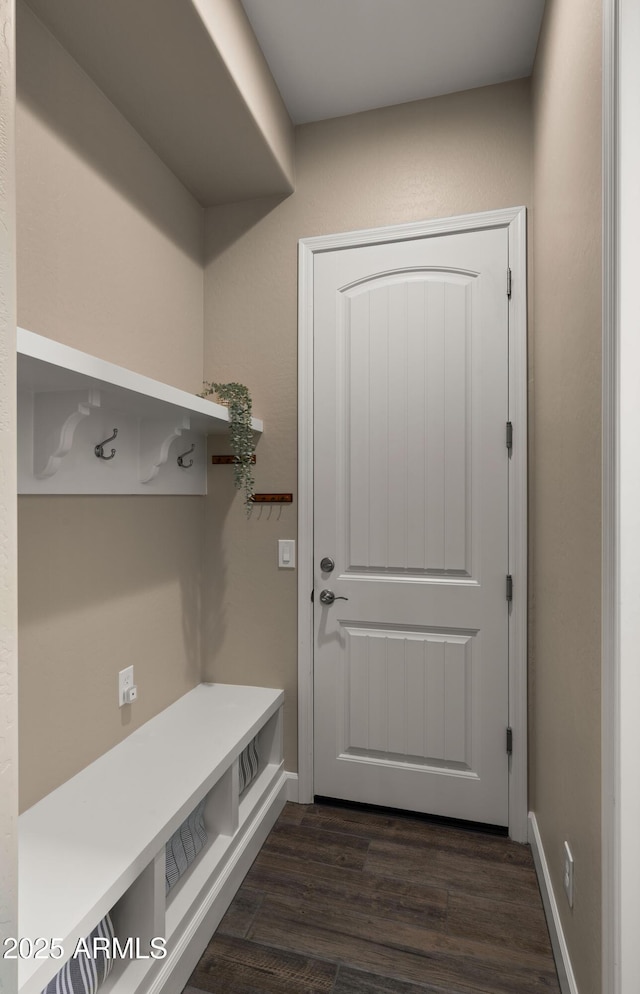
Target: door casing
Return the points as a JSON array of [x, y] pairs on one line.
[[514, 221]]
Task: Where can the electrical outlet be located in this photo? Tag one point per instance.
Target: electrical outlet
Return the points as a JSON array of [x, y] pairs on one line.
[[567, 874], [127, 691]]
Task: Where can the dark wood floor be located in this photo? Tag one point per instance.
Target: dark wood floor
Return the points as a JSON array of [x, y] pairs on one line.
[[344, 901]]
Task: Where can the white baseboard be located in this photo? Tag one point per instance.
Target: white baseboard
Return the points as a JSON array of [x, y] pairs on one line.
[[558, 942], [292, 787]]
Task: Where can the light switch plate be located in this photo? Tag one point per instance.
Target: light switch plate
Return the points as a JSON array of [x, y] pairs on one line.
[[286, 553]]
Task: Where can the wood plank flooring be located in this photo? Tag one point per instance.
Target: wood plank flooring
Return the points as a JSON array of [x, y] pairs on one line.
[[347, 901]]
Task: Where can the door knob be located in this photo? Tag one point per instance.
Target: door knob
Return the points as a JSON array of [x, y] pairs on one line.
[[328, 597]]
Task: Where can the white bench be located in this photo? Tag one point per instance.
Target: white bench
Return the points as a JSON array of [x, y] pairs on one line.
[[97, 842]]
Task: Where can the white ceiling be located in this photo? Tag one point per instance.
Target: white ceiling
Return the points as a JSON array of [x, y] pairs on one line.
[[336, 57]]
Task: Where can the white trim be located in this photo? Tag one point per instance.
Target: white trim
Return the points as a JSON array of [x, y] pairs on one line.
[[558, 942], [621, 498], [416, 229], [514, 219], [609, 635], [8, 503], [518, 533], [305, 523], [293, 791]]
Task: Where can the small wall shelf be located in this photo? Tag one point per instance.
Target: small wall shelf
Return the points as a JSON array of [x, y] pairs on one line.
[[69, 402]]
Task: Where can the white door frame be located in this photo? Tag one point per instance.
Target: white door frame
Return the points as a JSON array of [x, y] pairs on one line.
[[620, 499], [8, 503], [514, 221]]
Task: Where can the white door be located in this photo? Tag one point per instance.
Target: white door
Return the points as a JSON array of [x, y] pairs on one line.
[[411, 504]]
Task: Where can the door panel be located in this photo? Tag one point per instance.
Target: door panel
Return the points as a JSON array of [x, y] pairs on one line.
[[411, 499], [407, 695], [407, 369]]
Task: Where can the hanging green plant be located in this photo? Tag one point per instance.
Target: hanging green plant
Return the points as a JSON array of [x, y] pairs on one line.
[[238, 400]]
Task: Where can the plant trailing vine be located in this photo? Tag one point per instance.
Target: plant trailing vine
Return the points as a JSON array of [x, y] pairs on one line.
[[238, 399]]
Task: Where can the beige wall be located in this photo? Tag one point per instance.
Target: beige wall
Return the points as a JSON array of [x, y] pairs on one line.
[[8, 564], [109, 242], [109, 261], [455, 154], [565, 461]]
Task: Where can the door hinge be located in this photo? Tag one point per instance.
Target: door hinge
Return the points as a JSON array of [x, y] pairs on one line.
[[509, 740], [312, 593], [508, 282], [509, 436], [509, 587]]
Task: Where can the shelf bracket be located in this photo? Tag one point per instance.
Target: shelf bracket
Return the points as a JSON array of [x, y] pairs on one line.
[[156, 438], [56, 417]]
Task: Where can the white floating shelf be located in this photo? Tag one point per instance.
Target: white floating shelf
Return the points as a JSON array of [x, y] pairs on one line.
[[190, 77], [69, 401]]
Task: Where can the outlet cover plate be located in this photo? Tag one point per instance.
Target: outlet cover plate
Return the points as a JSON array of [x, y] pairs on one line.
[[125, 681], [567, 874]]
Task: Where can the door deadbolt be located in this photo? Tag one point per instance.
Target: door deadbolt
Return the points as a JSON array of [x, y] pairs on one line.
[[327, 565], [328, 597]]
